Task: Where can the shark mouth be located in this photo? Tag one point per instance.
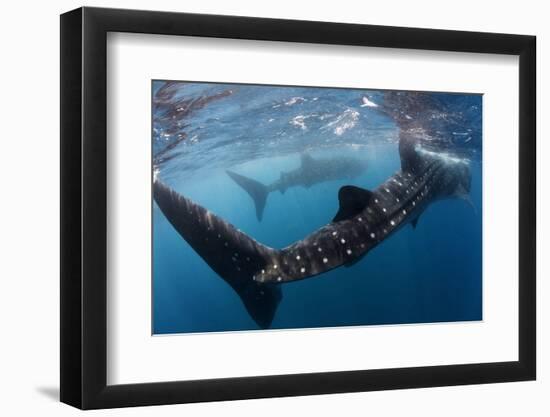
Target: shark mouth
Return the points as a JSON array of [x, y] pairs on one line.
[[364, 219]]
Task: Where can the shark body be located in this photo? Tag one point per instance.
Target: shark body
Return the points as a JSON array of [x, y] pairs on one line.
[[310, 172], [364, 220]]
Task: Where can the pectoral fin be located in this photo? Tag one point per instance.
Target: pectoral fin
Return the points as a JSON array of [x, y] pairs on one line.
[[463, 194]]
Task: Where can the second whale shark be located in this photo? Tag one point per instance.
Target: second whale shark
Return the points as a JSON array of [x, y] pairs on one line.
[[365, 219], [310, 172]]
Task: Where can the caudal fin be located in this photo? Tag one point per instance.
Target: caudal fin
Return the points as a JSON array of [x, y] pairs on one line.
[[255, 189], [233, 255]]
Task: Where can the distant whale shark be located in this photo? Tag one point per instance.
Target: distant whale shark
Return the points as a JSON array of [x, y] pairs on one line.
[[365, 219], [310, 172]]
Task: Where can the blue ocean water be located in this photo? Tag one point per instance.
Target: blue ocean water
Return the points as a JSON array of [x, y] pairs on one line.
[[432, 273]]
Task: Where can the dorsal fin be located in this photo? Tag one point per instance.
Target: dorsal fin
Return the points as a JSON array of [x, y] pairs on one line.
[[352, 200], [306, 159], [411, 161]]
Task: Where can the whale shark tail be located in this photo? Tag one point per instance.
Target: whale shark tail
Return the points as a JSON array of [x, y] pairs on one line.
[[256, 190], [233, 255]]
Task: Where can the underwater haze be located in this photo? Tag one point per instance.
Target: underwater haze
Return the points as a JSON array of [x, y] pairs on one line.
[[203, 132]]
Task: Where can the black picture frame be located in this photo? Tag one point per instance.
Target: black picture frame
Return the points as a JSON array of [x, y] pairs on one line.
[[84, 197]]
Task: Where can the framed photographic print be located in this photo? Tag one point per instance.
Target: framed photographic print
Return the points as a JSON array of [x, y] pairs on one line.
[[257, 208]]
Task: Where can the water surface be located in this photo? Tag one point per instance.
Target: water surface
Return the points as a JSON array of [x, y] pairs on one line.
[[429, 274]]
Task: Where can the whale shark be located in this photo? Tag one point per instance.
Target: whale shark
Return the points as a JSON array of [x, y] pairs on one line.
[[310, 172], [365, 219]]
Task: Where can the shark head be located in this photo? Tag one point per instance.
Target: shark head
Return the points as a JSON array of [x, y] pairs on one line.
[[455, 176]]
